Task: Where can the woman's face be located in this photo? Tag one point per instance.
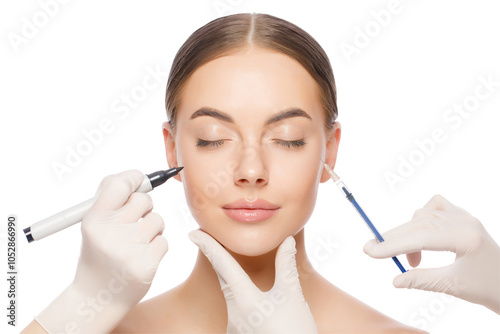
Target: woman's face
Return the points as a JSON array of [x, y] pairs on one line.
[[234, 146]]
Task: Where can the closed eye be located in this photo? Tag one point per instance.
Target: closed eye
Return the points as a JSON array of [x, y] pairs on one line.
[[207, 143], [284, 143], [288, 144]]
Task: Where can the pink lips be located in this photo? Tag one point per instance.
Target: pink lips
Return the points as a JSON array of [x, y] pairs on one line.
[[245, 211]]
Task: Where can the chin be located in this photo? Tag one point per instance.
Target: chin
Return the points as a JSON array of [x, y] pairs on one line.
[[250, 249], [249, 239]]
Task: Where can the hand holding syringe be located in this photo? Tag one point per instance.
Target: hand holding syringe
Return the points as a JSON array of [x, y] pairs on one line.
[[350, 197]]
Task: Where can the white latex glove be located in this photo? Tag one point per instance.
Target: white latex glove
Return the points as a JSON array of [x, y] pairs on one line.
[[282, 309], [119, 257], [442, 226]]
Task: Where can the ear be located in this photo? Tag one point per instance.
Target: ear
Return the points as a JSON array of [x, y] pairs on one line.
[[170, 148], [332, 148]]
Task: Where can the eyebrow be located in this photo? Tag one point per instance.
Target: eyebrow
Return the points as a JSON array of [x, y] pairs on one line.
[[287, 113]]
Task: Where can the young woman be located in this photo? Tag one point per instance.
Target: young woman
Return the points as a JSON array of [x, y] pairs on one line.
[[250, 98]]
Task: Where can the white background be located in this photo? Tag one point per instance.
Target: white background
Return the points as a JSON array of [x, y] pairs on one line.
[[66, 77]]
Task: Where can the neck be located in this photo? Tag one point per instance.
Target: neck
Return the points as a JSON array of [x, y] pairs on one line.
[[260, 269]]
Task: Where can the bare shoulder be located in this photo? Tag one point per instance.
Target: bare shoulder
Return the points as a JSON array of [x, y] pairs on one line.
[[335, 311], [155, 315]]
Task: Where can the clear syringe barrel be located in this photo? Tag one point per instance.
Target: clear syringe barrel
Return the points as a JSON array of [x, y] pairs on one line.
[[347, 193], [343, 188], [350, 197]]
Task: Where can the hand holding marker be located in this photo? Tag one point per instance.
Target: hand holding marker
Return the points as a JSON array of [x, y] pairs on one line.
[[73, 215], [122, 247], [350, 197]]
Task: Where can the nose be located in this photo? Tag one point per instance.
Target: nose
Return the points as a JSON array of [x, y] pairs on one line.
[[250, 169]]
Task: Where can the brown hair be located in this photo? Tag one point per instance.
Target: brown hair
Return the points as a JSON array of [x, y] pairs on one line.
[[231, 33]]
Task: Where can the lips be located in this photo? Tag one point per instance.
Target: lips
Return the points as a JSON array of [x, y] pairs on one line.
[[245, 211], [256, 204]]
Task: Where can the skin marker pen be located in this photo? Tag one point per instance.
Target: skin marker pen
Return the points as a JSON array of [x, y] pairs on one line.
[[335, 178], [73, 215]]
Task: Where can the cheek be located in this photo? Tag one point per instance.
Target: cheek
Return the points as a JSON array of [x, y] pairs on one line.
[[299, 188], [204, 180], [296, 179], [297, 176]]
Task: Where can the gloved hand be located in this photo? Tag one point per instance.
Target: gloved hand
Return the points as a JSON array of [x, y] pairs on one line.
[[282, 309], [442, 226], [119, 257]]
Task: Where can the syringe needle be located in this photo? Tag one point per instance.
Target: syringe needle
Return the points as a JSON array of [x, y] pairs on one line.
[[350, 197]]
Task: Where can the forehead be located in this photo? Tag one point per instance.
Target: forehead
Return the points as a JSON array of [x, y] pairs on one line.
[[255, 80]]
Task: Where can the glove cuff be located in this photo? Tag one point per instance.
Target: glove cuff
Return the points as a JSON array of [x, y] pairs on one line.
[[74, 312]]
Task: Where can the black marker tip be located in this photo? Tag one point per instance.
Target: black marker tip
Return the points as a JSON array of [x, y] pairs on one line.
[[161, 176]]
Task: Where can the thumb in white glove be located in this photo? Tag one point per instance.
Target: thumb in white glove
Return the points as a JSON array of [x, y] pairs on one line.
[[282, 309], [119, 256], [442, 226]]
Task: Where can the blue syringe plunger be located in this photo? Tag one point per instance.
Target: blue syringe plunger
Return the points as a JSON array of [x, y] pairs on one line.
[[350, 197]]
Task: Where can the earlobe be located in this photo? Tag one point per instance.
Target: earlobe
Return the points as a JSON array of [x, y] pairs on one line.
[[170, 148], [332, 147]]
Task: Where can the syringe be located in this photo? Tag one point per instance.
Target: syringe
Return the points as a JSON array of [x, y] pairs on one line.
[[350, 197]]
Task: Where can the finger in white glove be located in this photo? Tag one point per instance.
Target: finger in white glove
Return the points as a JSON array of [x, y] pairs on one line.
[[119, 256], [282, 309], [441, 226]]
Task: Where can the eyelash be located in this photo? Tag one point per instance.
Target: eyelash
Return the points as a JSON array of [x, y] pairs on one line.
[[285, 143]]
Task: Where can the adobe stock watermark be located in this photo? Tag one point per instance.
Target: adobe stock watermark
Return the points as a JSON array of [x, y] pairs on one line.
[[187, 219], [120, 108], [218, 180], [262, 310], [453, 118], [363, 36], [225, 7], [430, 312], [265, 307], [275, 300], [87, 310], [221, 179], [32, 25], [322, 251]]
